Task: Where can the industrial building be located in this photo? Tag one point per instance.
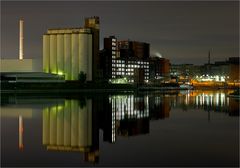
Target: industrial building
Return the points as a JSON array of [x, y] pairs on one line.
[[72, 51], [220, 71], [24, 70], [130, 62], [20, 64]]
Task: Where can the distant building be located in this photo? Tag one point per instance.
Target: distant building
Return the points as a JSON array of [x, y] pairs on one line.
[[71, 51], [18, 65], [220, 71], [159, 68], [223, 70], [185, 72]]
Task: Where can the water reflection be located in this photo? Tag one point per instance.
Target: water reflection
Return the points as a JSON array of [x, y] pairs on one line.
[[216, 101], [68, 126], [73, 124]]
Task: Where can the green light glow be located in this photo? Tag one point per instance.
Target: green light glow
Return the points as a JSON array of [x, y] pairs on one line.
[[60, 73], [119, 81]]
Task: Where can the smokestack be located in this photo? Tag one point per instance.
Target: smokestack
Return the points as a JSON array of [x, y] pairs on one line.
[[21, 39], [210, 52]]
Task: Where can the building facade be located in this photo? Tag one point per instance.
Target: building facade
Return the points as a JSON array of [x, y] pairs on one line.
[[93, 23], [72, 51], [129, 62], [219, 71], [123, 63]]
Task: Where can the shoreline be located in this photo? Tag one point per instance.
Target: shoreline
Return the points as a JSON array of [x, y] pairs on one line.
[[76, 87]]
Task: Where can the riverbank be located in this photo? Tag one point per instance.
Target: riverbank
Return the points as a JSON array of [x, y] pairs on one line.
[[75, 87]]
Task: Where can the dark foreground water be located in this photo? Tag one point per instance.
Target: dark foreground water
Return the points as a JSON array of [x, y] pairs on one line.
[[197, 128]]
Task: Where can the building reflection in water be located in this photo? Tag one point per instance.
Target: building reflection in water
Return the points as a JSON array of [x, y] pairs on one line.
[[130, 116], [20, 132], [73, 125], [216, 101], [69, 127]]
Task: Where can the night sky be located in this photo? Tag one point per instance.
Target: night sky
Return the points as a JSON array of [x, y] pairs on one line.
[[181, 31]]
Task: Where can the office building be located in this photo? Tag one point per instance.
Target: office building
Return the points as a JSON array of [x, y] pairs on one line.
[[121, 63], [130, 62], [159, 69]]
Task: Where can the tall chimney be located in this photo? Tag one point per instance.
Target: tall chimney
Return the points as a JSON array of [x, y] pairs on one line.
[[209, 55], [21, 39]]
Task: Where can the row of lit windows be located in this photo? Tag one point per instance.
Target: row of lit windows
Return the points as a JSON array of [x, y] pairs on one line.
[[132, 64], [125, 107], [137, 66], [131, 80], [118, 65], [138, 62], [129, 69], [119, 73], [123, 70], [119, 61], [129, 73]]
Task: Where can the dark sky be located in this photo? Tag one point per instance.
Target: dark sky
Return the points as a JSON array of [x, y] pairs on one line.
[[181, 31]]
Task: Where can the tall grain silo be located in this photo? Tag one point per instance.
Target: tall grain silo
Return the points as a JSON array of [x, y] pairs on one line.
[[83, 49], [75, 57], [60, 54], [53, 53], [46, 53], [67, 56], [90, 58], [68, 52]]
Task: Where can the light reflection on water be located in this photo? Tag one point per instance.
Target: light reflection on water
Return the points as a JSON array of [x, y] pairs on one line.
[[71, 125]]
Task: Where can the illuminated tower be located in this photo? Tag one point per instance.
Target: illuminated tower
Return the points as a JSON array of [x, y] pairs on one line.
[[21, 39], [93, 24]]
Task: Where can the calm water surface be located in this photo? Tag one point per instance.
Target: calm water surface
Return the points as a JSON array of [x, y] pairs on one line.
[[187, 128]]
